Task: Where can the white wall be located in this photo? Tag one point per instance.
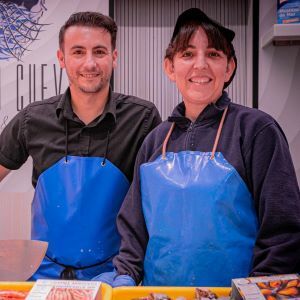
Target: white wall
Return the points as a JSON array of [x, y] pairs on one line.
[[279, 82]]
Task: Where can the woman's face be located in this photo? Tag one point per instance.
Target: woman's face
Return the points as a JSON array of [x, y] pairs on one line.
[[199, 71]]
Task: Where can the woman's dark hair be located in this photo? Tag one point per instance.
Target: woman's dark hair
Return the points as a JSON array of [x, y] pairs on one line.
[[215, 39], [90, 19], [218, 36]]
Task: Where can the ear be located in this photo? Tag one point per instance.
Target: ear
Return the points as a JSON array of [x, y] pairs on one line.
[[169, 69], [61, 58], [230, 69], [115, 58]]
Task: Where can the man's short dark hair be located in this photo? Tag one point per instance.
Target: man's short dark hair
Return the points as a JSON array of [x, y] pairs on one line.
[[90, 19]]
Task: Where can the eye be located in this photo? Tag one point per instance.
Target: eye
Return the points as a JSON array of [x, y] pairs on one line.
[[78, 52], [187, 54], [214, 54], [100, 52]]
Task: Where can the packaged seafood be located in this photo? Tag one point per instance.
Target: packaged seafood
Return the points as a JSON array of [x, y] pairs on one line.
[[170, 293], [65, 290], [199, 294], [276, 287]]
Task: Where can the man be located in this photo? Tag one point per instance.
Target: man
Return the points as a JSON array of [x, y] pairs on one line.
[[83, 144]]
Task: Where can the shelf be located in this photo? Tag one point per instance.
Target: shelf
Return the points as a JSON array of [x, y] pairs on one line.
[[282, 35]]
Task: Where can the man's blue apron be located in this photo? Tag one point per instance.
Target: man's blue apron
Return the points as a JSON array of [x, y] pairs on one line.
[[74, 209], [200, 218]]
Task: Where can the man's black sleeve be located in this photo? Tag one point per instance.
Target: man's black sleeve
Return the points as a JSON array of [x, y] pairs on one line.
[[153, 120], [13, 152]]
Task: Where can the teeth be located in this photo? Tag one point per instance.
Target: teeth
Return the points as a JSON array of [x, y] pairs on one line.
[[89, 75], [200, 80]]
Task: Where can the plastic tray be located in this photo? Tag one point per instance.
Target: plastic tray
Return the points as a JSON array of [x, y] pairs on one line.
[[16, 286], [126, 293], [106, 290]]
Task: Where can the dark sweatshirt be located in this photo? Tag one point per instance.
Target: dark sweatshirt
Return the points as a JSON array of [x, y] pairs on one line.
[[254, 144]]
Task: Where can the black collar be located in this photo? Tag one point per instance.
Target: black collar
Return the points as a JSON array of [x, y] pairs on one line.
[[211, 113], [64, 110]]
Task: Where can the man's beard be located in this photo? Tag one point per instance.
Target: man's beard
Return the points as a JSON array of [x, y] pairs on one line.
[[92, 88], [95, 88]]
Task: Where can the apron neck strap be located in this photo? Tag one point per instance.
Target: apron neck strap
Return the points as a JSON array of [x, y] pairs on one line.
[[218, 134], [66, 140], [165, 143]]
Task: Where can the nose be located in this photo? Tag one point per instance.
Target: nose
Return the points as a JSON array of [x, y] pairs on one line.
[[90, 61], [200, 61]]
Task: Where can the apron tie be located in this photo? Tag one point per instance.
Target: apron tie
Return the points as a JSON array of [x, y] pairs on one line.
[[218, 134], [165, 143], [106, 149], [69, 272], [66, 141]]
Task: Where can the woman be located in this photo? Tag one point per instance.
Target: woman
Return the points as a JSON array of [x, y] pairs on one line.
[[214, 195]]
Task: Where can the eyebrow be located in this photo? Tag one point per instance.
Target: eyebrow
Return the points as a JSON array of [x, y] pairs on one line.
[[96, 47], [208, 48], [190, 46]]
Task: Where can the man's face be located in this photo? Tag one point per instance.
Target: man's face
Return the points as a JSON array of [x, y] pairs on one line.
[[88, 58], [199, 71]]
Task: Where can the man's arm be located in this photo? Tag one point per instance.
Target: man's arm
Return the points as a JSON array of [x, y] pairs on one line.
[[13, 148], [3, 172]]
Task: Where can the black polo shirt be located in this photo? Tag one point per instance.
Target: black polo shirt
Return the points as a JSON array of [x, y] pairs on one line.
[[47, 130]]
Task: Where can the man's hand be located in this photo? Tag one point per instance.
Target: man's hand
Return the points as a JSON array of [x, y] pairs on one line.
[[115, 280], [3, 172]]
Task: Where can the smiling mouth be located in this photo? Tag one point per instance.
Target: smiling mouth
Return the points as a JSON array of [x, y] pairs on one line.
[[203, 80], [88, 76]]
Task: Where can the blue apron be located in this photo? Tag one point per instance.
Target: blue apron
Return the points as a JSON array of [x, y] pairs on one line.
[[74, 209], [200, 218]]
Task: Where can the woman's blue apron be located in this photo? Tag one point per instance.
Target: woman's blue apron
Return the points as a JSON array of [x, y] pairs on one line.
[[74, 209], [200, 218]]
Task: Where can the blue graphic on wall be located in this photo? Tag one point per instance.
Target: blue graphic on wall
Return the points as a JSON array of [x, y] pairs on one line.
[[20, 26]]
